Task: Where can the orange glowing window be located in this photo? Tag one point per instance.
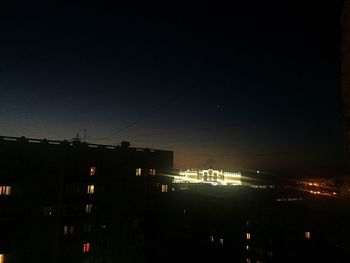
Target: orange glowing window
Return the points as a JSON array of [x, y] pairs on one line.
[[90, 189], [5, 190], [164, 188], [2, 258], [152, 171], [307, 235], [138, 172], [92, 170], [86, 247]]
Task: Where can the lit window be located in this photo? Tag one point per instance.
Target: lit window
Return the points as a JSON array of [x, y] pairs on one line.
[[65, 230], [248, 260], [86, 247], [211, 238], [92, 170], [68, 230], [307, 235], [138, 172], [221, 241], [152, 172], [164, 188], [248, 235], [90, 189], [247, 248], [2, 258], [88, 208], [5, 190]]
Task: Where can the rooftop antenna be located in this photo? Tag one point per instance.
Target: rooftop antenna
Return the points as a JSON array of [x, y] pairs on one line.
[[78, 135], [77, 138], [84, 138]]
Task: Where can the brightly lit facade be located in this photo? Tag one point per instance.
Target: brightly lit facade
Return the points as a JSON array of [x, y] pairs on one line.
[[210, 176]]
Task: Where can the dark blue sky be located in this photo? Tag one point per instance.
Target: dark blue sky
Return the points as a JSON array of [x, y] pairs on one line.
[[249, 85]]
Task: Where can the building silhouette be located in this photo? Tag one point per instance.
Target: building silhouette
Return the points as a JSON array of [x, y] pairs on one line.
[[76, 202], [66, 201], [345, 75]]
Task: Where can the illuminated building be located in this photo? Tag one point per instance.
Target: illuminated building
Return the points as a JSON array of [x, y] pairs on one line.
[[210, 176]]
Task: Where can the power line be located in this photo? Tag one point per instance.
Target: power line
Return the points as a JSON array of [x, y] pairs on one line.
[[138, 120]]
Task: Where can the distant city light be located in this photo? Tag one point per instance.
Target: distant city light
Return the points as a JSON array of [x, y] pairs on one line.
[[210, 176]]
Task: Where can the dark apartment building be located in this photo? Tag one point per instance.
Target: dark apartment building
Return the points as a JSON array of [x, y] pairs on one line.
[[207, 223], [66, 201], [345, 77], [75, 202]]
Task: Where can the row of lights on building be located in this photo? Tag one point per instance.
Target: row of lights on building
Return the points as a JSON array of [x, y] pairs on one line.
[[212, 239], [6, 189], [150, 171]]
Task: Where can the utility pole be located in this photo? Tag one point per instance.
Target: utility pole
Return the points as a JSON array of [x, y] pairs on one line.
[[84, 135]]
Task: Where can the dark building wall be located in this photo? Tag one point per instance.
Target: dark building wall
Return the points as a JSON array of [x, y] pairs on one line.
[[36, 177], [211, 223], [345, 69], [134, 219], [45, 219]]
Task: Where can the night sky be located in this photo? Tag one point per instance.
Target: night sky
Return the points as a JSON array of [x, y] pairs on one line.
[[245, 85]]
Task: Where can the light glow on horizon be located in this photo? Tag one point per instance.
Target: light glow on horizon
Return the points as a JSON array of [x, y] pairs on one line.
[[210, 176]]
